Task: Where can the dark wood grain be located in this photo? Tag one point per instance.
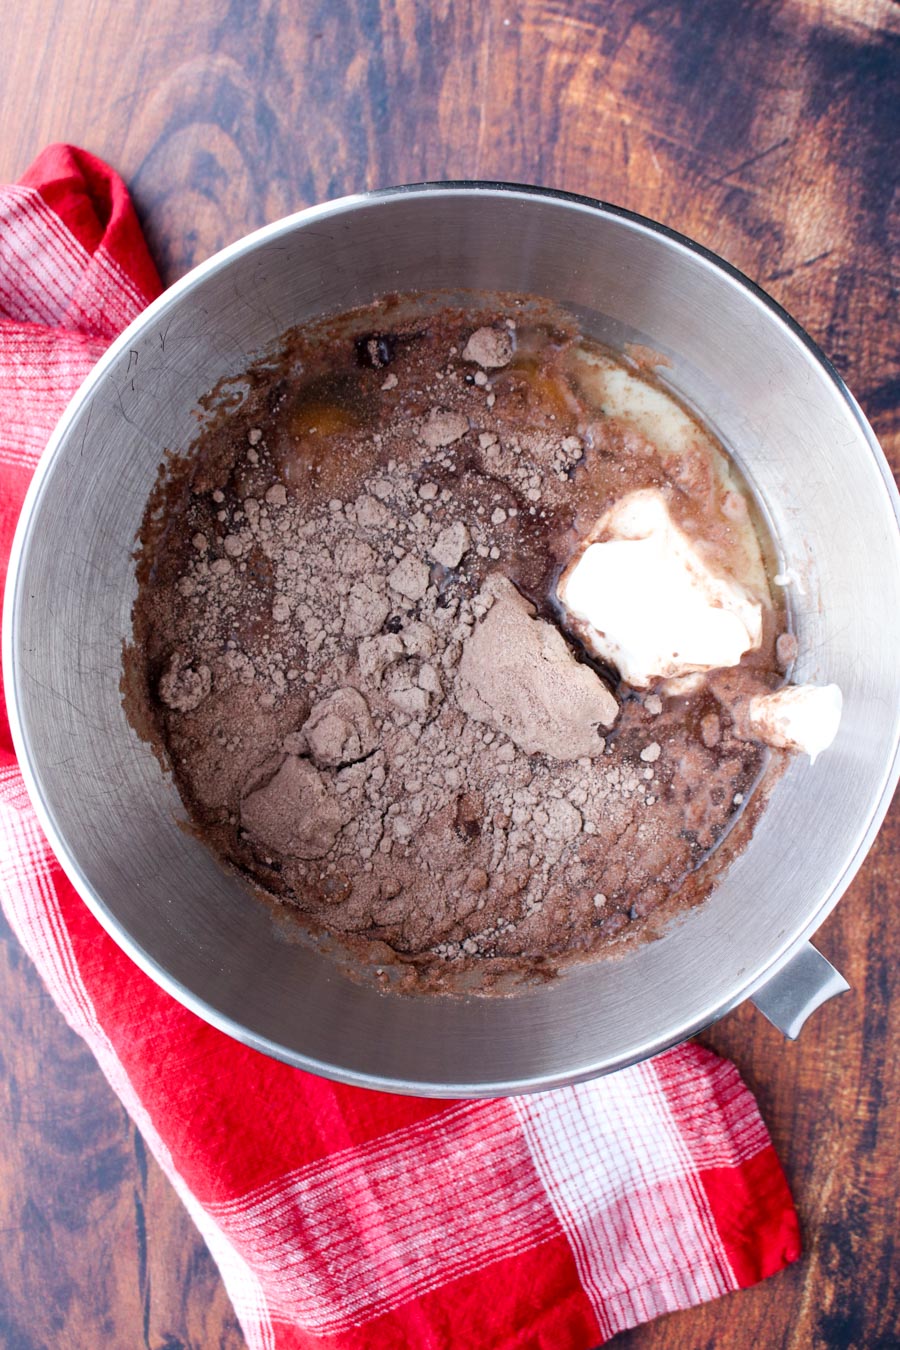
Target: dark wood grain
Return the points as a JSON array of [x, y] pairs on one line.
[[764, 128], [95, 1248]]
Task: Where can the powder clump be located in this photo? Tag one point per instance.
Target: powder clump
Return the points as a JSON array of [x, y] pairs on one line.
[[517, 674]]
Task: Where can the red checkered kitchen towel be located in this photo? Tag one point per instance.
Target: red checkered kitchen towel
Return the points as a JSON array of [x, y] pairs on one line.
[[343, 1218]]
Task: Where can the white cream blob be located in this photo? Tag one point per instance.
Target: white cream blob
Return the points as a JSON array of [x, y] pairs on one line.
[[802, 717], [643, 598]]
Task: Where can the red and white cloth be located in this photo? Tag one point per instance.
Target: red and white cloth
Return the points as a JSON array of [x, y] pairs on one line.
[[342, 1218]]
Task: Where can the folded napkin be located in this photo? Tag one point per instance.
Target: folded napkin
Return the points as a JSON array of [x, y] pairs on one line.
[[340, 1217]]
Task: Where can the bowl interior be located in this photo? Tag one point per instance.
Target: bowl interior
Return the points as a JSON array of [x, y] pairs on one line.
[[113, 816]]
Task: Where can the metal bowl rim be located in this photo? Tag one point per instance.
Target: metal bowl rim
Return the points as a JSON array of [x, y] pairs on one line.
[[168, 299]]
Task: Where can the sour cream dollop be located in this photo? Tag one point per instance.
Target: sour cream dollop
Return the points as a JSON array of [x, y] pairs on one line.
[[802, 717], [643, 599]]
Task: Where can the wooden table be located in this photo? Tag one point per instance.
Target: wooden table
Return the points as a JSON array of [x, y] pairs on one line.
[[764, 130]]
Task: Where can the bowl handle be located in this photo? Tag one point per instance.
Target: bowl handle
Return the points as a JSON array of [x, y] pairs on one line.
[[802, 985]]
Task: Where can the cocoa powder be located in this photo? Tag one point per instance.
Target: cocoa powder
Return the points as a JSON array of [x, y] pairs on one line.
[[348, 653]]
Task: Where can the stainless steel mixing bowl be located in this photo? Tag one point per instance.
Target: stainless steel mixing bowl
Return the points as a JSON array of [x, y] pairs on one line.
[[112, 815]]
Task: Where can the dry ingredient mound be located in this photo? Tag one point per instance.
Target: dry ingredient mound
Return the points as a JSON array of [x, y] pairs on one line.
[[344, 644]]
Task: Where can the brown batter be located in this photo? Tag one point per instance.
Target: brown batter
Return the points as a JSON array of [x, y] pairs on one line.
[[346, 646]]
